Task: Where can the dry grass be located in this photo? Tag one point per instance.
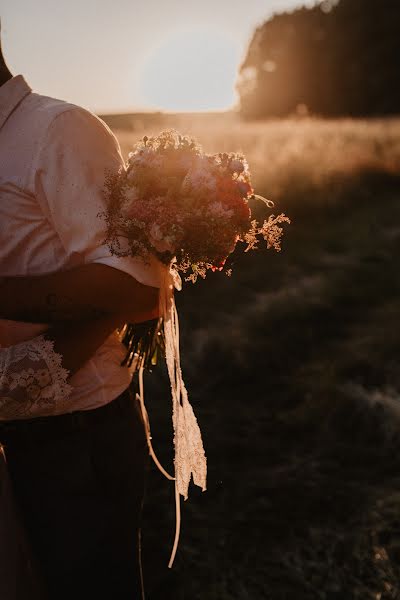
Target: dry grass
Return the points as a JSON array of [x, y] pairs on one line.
[[292, 366], [306, 153]]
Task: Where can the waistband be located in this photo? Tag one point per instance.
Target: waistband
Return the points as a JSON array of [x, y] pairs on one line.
[[52, 426]]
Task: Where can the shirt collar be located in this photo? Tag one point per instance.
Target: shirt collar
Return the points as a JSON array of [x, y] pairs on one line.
[[11, 94]]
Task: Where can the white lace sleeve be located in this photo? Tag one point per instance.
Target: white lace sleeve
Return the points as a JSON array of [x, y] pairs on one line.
[[32, 380]]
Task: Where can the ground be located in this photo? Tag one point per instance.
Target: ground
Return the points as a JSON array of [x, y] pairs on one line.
[[292, 366]]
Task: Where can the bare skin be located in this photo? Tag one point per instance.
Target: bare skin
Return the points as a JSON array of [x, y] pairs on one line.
[[92, 333], [86, 304], [87, 291]]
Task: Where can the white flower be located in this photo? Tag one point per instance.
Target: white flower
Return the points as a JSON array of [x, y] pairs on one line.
[[186, 162], [143, 158], [131, 195], [155, 232], [219, 211], [156, 238], [199, 178], [131, 174]]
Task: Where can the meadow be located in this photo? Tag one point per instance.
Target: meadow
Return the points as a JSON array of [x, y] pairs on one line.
[[292, 366]]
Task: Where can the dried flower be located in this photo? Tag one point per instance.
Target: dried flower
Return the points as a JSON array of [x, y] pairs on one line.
[[183, 205]]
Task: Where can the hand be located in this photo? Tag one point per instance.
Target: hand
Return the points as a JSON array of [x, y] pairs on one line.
[[152, 311], [144, 316]]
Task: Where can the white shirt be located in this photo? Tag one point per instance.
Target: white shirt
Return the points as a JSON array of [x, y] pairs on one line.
[[54, 157]]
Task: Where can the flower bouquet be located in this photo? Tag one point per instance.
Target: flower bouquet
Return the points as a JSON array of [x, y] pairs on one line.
[[189, 209]]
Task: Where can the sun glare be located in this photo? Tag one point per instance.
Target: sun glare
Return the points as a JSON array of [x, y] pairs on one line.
[[192, 70]]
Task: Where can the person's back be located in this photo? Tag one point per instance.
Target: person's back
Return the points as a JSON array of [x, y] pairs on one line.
[[78, 466], [53, 161]]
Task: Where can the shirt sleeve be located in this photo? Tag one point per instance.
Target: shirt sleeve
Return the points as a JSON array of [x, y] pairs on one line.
[[78, 152], [33, 382]]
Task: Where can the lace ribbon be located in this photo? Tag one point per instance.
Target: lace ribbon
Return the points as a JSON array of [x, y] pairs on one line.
[[190, 460]]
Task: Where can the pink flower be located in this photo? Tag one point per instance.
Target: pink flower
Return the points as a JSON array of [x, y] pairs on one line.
[[160, 243], [177, 200], [236, 166]]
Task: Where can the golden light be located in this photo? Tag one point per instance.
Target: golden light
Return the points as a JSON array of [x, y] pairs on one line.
[[192, 70]]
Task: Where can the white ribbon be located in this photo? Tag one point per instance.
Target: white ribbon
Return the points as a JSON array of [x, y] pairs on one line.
[[190, 460]]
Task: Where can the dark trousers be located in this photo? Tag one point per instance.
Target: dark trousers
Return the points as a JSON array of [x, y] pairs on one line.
[[79, 483]]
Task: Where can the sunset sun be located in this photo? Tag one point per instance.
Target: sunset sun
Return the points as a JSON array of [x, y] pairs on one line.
[[192, 70]]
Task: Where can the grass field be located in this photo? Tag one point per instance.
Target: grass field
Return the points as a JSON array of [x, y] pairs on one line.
[[292, 365]]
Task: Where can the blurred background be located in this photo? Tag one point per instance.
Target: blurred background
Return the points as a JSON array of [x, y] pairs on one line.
[[292, 363]]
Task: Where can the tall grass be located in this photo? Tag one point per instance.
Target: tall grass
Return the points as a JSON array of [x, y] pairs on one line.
[[292, 366], [289, 156]]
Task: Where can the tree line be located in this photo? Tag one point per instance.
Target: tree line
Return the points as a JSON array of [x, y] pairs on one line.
[[338, 58]]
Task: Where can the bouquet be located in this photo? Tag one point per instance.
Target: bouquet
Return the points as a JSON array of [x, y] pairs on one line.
[[189, 209], [186, 207]]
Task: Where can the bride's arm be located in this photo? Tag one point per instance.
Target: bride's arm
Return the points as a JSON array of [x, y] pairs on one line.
[[76, 342], [34, 375]]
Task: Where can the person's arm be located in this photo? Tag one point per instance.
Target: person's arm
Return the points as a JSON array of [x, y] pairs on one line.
[[85, 292], [76, 153], [35, 374], [76, 342]]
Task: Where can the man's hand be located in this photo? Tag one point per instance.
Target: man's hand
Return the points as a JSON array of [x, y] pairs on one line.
[[136, 317], [86, 292]]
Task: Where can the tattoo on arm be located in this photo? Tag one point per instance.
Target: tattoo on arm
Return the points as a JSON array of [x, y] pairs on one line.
[[61, 308], [53, 309]]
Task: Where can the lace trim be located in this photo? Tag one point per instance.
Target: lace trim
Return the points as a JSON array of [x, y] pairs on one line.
[[190, 460], [32, 379]]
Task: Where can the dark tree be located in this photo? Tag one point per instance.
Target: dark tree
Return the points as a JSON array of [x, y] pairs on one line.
[[337, 58]]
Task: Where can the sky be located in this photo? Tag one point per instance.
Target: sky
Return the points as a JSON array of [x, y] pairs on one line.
[[115, 56]]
